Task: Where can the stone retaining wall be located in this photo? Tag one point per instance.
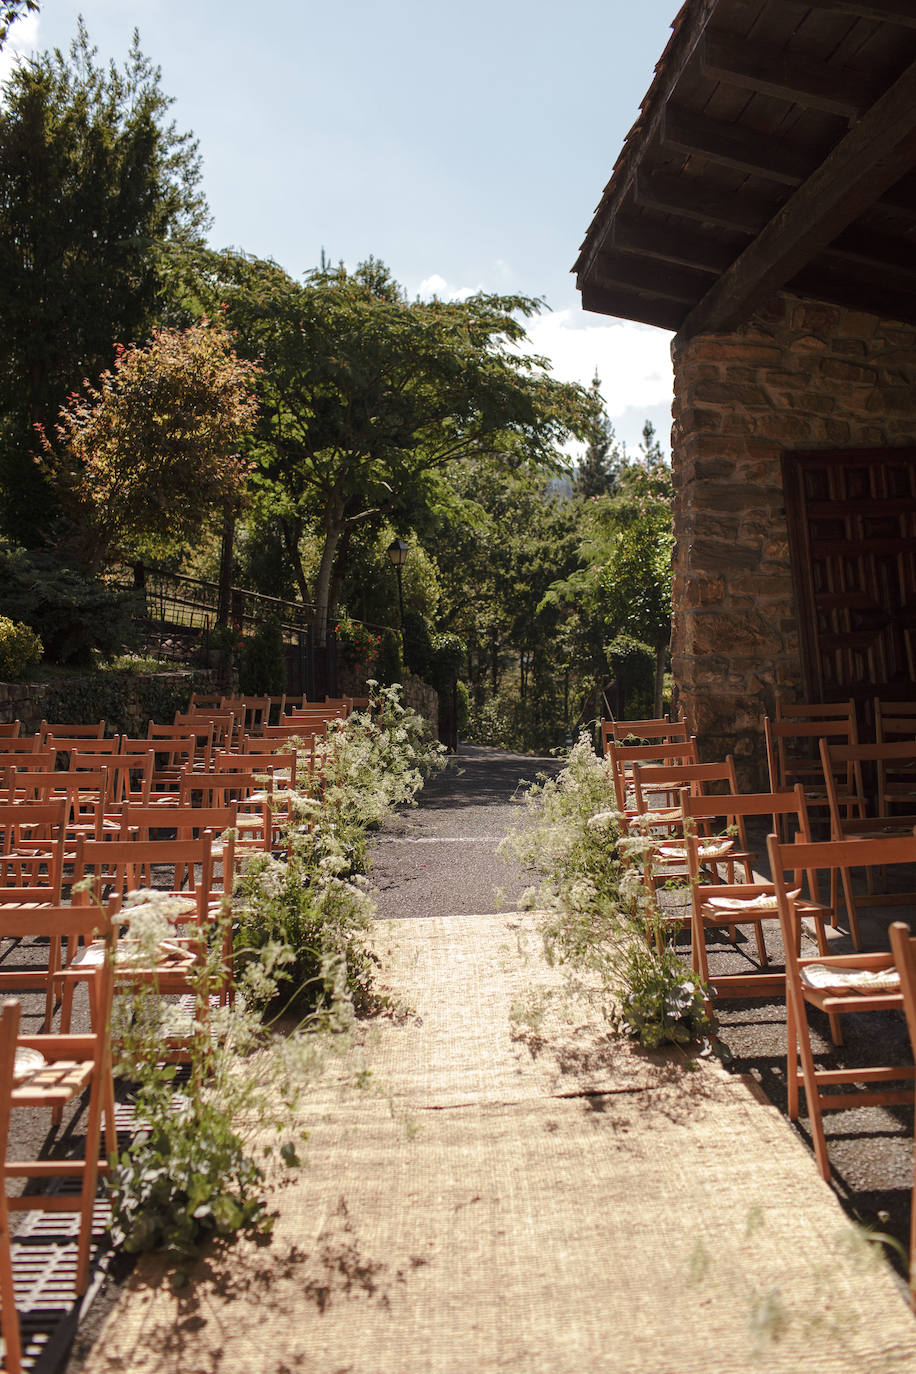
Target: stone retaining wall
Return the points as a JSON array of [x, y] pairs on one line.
[[801, 375], [126, 701]]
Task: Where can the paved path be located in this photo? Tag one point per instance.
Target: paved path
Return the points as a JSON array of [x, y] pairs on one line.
[[516, 1191], [439, 858]]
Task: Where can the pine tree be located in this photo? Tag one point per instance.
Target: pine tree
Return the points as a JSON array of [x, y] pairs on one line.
[[598, 468]]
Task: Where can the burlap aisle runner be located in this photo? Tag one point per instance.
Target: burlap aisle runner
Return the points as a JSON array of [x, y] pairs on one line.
[[514, 1191]]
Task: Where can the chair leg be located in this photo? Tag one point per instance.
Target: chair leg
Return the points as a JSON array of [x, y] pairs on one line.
[[851, 913], [809, 1080], [9, 1316], [761, 944]]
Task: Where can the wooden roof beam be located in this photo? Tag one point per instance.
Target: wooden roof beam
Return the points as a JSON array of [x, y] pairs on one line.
[[829, 281], [683, 249], [880, 11], [683, 285], [871, 158], [731, 146], [768, 70], [693, 199], [630, 305], [881, 254]]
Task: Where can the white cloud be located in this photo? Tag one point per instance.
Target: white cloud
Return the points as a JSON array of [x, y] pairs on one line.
[[21, 40], [632, 360], [438, 286]]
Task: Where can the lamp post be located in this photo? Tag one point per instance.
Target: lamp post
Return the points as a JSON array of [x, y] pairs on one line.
[[397, 552]]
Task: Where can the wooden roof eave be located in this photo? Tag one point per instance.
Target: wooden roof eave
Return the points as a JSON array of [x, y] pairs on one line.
[[688, 28], [828, 216], [873, 156]]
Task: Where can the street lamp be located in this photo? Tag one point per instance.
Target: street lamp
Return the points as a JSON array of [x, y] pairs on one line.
[[397, 552]]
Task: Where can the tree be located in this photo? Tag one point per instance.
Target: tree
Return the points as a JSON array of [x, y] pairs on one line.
[[623, 583], [144, 458], [93, 180], [10, 11], [596, 474], [635, 575], [368, 397]]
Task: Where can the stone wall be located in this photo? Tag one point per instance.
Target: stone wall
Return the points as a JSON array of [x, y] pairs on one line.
[[126, 701], [801, 375]]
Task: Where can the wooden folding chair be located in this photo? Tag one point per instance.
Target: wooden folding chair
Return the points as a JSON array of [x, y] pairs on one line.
[[752, 902], [47, 1072], [835, 984], [886, 757], [185, 869], [201, 732], [903, 948], [251, 713], [68, 730], [659, 730], [793, 755], [222, 723], [622, 758]]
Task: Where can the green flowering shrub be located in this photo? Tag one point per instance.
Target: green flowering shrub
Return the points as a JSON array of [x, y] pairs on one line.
[[213, 1134], [303, 922], [20, 649], [596, 914]]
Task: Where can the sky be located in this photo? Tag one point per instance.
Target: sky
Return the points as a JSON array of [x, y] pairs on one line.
[[466, 146]]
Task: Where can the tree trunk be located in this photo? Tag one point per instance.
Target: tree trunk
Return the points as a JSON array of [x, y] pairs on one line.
[[323, 585], [224, 599], [660, 653], [292, 534]]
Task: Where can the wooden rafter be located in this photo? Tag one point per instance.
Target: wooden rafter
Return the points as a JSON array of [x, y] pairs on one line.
[[881, 11], [687, 199], [630, 305], [683, 249], [875, 154], [731, 146], [771, 71]]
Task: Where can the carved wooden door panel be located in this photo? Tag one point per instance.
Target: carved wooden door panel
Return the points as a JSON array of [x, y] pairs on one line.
[[852, 541]]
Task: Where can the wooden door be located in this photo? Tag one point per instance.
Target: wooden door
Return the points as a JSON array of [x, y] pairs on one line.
[[852, 541]]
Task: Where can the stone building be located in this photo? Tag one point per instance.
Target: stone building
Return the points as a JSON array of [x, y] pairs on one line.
[[764, 208]]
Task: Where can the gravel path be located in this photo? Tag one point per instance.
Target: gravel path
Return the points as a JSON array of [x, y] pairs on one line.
[[439, 858]]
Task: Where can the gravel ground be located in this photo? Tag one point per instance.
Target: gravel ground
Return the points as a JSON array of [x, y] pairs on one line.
[[439, 858]]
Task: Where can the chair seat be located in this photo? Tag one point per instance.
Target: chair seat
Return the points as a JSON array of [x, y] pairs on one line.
[[52, 1084], [170, 954], [821, 978]]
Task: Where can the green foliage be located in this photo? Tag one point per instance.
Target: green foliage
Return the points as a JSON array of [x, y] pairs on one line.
[[321, 922], [94, 181], [198, 1167], [309, 914], [145, 458], [368, 397], [73, 614], [359, 645], [418, 645], [389, 667], [20, 649], [371, 763], [262, 671], [598, 468], [596, 918], [124, 700], [449, 654], [504, 721], [662, 1002], [632, 666], [463, 697]]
